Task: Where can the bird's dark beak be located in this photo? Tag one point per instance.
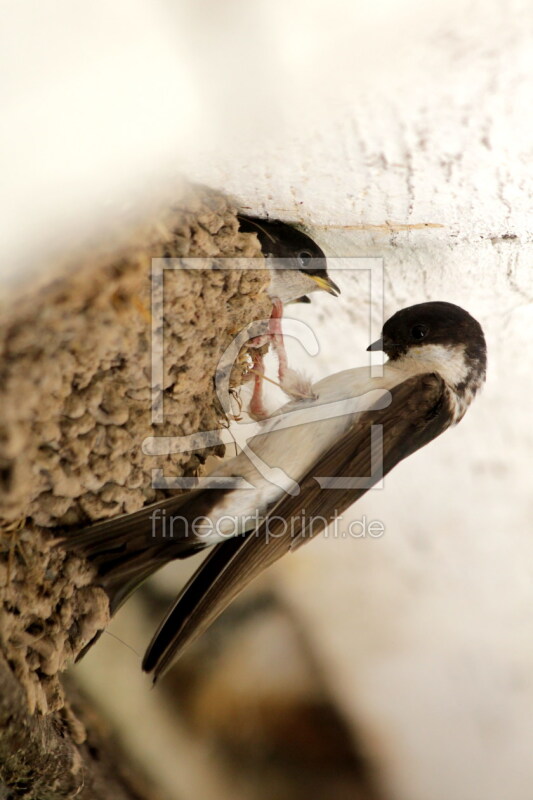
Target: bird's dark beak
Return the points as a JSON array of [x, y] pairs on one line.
[[377, 345], [326, 284]]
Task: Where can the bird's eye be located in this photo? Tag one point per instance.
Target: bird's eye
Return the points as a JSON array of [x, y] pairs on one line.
[[304, 257], [419, 332]]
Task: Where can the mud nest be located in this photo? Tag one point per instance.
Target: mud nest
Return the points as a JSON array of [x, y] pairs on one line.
[[75, 407]]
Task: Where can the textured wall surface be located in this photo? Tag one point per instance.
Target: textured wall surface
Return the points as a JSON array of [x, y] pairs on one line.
[[423, 157]]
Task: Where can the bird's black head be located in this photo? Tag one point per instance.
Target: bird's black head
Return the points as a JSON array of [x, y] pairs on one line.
[[439, 334], [280, 240], [295, 248]]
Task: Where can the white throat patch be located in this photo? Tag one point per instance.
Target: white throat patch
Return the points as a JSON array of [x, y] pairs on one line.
[[449, 362], [290, 284]]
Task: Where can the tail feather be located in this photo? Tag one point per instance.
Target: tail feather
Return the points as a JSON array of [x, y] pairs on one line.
[[128, 549], [127, 533]]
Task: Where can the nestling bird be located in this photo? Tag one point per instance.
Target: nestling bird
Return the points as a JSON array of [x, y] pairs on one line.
[[298, 268], [308, 464]]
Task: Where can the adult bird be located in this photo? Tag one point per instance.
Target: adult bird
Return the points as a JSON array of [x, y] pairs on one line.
[[308, 463]]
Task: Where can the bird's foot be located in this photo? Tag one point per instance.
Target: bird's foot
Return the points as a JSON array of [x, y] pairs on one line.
[[277, 338], [256, 409]]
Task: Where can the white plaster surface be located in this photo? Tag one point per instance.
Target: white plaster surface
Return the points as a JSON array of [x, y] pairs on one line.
[[391, 129]]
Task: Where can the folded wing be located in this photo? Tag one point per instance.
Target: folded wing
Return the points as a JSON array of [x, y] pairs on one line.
[[418, 413]]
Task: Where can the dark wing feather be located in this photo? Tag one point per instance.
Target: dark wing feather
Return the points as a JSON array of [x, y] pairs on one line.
[[419, 411]]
